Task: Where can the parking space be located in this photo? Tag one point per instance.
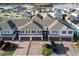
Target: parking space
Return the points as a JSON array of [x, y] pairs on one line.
[[62, 48], [22, 48], [59, 49], [71, 49], [65, 49], [35, 48], [1, 52]]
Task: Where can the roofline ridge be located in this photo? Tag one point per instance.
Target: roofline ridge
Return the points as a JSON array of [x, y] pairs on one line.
[[51, 25], [25, 25]]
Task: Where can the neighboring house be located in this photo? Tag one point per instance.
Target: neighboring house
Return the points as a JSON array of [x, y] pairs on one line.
[[73, 16], [40, 27], [76, 14], [57, 14], [27, 15], [70, 17]]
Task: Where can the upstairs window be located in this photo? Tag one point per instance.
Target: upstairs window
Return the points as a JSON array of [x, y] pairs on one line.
[[27, 31], [33, 31], [22, 31], [54, 31], [39, 31], [63, 32], [6, 31], [69, 32]]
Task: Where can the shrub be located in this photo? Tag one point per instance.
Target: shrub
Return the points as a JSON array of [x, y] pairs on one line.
[[9, 49], [46, 51]]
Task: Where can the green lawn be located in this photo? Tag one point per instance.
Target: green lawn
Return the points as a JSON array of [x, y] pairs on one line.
[[47, 50]]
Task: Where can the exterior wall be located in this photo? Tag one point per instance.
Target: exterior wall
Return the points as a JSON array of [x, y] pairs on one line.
[[0, 32], [7, 32], [0, 38], [67, 34], [7, 38], [29, 32], [25, 38], [36, 38], [54, 32], [54, 38], [66, 39], [56, 35], [30, 36], [59, 33], [59, 36]]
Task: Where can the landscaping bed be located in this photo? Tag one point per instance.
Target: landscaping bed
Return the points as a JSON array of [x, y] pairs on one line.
[[9, 48], [77, 45], [47, 50]]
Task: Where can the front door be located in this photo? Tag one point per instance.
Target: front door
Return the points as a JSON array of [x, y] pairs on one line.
[[16, 35], [45, 35]]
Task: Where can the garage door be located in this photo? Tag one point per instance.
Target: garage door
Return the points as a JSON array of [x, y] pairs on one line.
[[25, 38], [36, 38], [7, 38], [66, 39], [54, 39]]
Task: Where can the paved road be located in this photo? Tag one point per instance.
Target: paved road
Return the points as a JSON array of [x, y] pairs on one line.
[[35, 48], [22, 48]]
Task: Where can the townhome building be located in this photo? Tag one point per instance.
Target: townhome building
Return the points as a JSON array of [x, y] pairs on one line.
[[41, 27]]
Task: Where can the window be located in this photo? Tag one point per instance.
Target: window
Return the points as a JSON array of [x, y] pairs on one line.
[[39, 31], [27, 31], [33, 31], [54, 31], [63, 32], [69, 32], [6, 31], [22, 31]]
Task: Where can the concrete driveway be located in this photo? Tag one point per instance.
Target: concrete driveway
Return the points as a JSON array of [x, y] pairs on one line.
[[71, 51], [22, 48], [1, 52], [35, 48], [59, 49], [65, 49]]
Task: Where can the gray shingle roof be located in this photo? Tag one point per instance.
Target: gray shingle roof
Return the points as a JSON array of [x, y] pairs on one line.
[[58, 26], [5, 26], [32, 25], [44, 22], [37, 23], [20, 22]]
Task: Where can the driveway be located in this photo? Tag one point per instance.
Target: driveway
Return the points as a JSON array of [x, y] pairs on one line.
[[65, 49], [59, 49], [71, 51], [35, 48], [22, 48], [1, 52]]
